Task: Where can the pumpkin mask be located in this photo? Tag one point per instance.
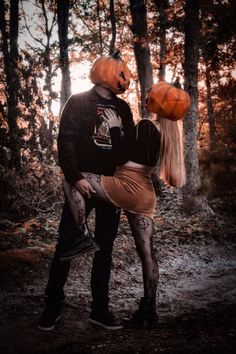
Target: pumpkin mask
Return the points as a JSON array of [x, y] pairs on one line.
[[168, 101], [111, 72]]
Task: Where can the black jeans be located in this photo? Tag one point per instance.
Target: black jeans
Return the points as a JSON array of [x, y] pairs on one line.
[[107, 221]]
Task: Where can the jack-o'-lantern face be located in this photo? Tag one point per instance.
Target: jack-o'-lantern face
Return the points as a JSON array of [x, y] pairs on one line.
[[111, 72]]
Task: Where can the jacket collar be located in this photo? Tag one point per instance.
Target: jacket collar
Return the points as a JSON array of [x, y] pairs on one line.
[[95, 96]]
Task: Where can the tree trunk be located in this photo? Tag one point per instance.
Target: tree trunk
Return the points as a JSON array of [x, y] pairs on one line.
[[141, 50], [161, 6], [48, 78], [100, 29], [12, 79], [63, 16], [113, 28], [210, 110], [191, 120]]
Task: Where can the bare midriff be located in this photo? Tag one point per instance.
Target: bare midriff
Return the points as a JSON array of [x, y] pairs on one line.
[[138, 166]]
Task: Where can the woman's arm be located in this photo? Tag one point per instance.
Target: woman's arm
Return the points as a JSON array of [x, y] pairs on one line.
[[120, 143]]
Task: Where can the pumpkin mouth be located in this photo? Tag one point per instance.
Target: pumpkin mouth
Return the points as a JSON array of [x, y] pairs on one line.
[[120, 87]]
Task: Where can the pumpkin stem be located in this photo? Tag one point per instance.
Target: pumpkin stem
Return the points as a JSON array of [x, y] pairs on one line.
[[177, 83], [116, 54]]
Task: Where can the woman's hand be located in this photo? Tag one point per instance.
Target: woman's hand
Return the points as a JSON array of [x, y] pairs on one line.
[[112, 118]]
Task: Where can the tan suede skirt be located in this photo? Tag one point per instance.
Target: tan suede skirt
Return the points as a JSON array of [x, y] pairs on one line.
[[131, 189]]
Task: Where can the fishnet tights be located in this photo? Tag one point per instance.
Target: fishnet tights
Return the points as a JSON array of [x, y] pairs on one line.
[[142, 231], [141, 227]]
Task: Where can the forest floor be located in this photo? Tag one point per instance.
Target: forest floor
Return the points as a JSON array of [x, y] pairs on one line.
[[196, 294]]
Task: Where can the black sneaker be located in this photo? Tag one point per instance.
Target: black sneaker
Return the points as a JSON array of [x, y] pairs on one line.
[[50, 316], [79, 247], [83, 242], [106, 320]]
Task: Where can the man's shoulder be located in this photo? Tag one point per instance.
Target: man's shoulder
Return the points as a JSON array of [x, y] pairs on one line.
[[122, 102], [81, 95], [78, 101]]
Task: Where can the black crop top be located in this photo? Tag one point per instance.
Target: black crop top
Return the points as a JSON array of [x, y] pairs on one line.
[[141, 145]]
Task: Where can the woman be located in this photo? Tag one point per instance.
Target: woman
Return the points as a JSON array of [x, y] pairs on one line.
[[144, 150]]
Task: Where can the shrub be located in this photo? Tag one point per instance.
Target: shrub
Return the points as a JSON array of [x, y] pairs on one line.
[[34, 190]]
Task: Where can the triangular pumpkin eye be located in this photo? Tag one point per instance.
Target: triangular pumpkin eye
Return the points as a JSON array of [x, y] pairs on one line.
[[122, 75]]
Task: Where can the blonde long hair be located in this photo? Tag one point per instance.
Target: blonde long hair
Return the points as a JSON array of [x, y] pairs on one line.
[[171, 166]]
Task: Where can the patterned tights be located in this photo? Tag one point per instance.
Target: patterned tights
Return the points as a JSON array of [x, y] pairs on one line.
[[141, 227]]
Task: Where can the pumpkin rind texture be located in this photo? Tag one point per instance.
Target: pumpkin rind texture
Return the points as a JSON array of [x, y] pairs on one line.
[[168, 101], [111, 73]]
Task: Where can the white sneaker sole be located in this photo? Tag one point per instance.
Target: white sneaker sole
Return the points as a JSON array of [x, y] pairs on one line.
[[52, 327], [105, 326]]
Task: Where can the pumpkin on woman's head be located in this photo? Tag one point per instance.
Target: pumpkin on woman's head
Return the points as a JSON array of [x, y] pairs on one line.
[[168, 101], [111, 72]]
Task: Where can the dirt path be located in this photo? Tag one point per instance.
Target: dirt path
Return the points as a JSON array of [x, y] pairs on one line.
[[196, 296]]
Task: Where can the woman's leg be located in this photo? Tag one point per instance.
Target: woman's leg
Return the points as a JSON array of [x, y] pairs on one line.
[[82, 240], [77, 201], [142, 230]]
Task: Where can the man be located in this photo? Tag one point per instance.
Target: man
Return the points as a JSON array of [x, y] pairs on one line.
[[84, 144]]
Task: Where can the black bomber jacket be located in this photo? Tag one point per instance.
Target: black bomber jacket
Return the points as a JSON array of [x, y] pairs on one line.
[[77, 126]]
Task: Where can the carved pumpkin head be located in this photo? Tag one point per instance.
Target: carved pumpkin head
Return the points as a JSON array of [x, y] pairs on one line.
[[111, 72], [168, 101]]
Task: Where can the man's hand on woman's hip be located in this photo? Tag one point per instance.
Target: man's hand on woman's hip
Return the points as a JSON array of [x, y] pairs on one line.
[[85, 188]]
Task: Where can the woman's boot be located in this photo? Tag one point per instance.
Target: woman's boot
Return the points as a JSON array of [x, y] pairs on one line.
[[146, 315], [82, 242]]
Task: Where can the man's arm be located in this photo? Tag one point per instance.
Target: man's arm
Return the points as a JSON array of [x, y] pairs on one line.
[[69, 135]]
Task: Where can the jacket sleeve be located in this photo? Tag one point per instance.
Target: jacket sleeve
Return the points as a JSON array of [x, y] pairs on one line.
[[69, 135], [128, 121], [117, 137], [121, 146], [121, 142]]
